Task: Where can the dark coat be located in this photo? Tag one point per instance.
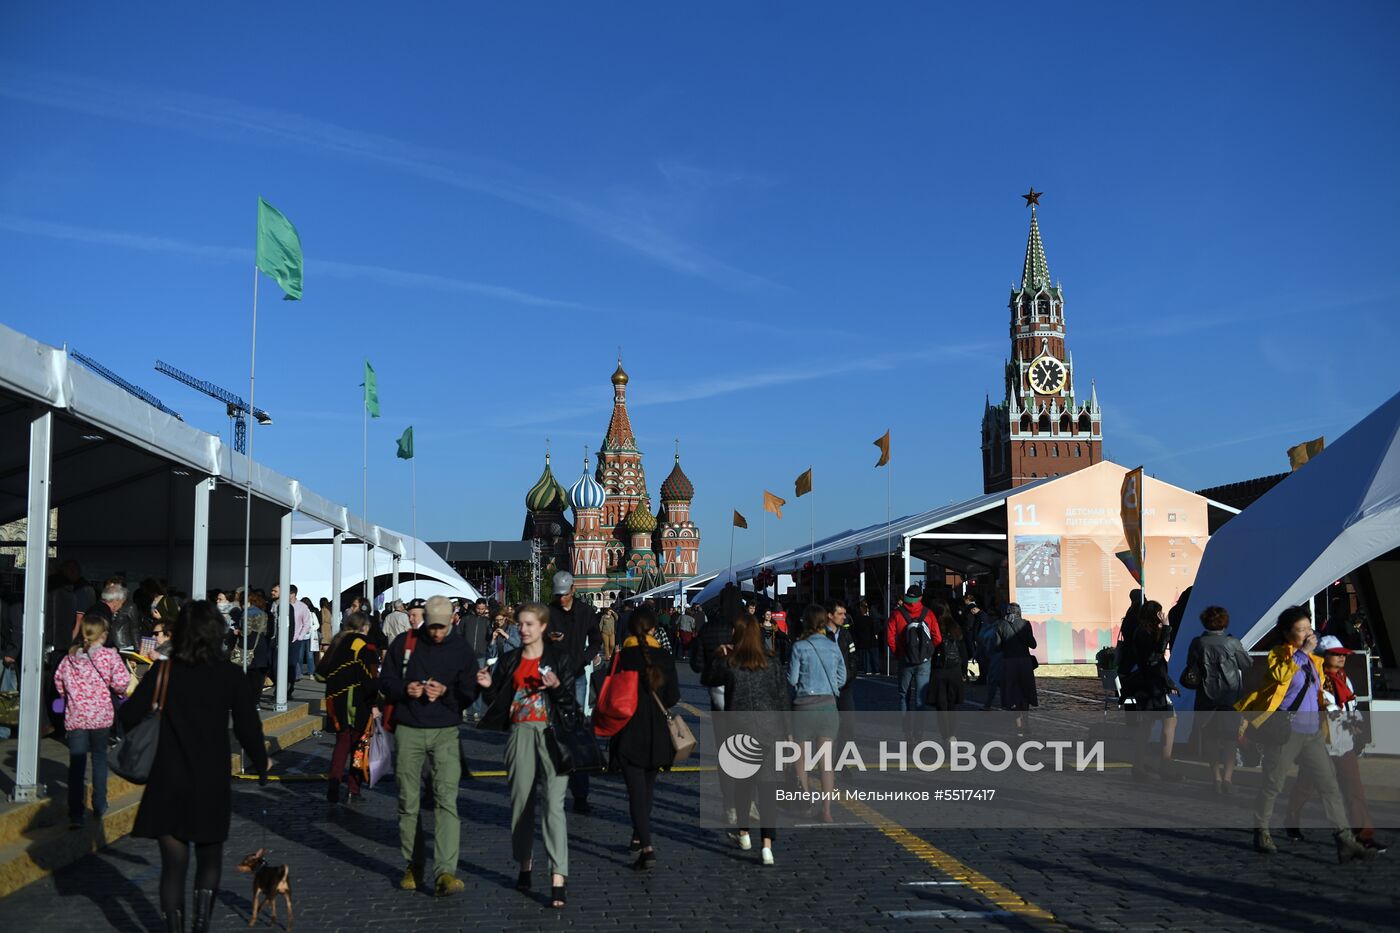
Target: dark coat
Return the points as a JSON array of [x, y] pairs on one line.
[[501, 693], [1224, 663], [351, 683], [188, 795], [449, 662], [645, 742], [712, 636], [582, 639]]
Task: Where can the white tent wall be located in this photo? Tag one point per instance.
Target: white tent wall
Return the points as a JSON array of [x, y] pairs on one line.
[[1338, 512], [311, 566]]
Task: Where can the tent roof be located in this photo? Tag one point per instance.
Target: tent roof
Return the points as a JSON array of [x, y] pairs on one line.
[[1338, 512], [312, 541], [106, 439], [481, 551]]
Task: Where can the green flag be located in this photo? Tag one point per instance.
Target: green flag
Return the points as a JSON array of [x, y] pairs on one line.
[[371, 391], [279, 250], [405, 443]]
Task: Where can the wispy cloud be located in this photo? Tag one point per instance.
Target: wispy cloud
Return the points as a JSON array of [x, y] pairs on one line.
[[752, 380], [343, 270], [227, 120]]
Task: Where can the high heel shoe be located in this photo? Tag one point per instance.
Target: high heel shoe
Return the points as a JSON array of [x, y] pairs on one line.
[[522, 880], [558, 895], [646, 861]]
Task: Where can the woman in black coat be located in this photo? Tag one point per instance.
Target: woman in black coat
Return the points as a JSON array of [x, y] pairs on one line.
[[187, 799], [643, 747]]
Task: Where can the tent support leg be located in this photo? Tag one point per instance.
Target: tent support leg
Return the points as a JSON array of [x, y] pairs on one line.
[[337, 563], [199, 575], [284, 606], [36, 575]]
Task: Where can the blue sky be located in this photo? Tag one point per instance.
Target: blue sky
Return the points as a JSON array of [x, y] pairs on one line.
[[799, 221]]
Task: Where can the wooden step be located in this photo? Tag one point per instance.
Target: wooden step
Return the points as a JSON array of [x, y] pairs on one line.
[[286, 734], [22, 820], [45, 848]]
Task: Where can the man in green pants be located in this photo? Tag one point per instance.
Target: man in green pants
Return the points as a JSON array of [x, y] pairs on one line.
[[429, 674]]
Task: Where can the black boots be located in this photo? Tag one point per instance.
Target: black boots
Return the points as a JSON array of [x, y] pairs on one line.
[[332, 790], [174, 923], [203, 908]]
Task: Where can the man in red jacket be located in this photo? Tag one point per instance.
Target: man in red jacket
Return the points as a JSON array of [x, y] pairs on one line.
[[913, 650]]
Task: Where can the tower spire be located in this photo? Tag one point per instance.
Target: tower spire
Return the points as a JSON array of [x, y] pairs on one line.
[[1035, 273]]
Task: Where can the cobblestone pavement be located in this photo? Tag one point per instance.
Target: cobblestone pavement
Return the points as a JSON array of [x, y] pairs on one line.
[[860, 873]]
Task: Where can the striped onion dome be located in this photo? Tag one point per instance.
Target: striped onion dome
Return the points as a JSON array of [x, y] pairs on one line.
[[640, 519], [677, 487], [587, 492], [546, 495]]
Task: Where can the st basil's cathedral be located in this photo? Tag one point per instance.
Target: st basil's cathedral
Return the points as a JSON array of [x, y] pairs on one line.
[[615, 541]]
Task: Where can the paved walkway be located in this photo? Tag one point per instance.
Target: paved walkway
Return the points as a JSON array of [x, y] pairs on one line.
[[863, 873]]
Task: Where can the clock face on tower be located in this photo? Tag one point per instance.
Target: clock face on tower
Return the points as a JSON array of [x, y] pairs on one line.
[[1047, 375]]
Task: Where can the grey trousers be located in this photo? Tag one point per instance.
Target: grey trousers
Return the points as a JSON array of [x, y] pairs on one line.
[[1310, 752], [528, 762]]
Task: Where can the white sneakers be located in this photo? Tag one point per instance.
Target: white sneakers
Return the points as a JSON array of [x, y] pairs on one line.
[[731, 816], [767, 856], [743, 839]]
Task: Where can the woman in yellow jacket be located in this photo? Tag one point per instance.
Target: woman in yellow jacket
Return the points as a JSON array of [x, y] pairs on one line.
[[1293, 686]]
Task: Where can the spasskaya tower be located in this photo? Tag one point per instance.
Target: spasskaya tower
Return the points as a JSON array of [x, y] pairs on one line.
[[1045, 426]]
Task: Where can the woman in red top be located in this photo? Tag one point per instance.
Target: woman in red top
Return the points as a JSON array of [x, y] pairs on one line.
[[531, 686]]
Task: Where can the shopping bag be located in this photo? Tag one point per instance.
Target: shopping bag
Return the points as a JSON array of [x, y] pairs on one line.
[[617, 701], [381, 754]]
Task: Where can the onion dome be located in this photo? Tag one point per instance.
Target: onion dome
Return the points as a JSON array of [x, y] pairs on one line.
[[546, 495], [619, 377], [677, 487], [640, 520], [587, 492]]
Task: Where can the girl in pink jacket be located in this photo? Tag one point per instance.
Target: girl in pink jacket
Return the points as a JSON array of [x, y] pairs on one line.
[[86, 679]]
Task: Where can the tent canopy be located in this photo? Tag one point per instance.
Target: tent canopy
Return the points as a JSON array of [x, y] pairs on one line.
[[1337, 513], [422, 571]]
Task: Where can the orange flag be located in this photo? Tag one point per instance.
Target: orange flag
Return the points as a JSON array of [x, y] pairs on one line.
[[1297, 456], [804, 483], [772, 503], [884, 444], [739, 521]]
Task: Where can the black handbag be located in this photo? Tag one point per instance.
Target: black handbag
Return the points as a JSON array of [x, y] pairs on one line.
[[572, 746], [135, 754], [1278, 724]]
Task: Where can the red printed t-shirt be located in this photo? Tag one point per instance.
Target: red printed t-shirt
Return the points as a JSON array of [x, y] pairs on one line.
[[529, 702]]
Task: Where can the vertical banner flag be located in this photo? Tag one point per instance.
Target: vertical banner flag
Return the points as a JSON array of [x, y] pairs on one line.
[[405, 443], [884, 444], [279, 250], [371, 391], [1297, 456], [772, 503], [804, 483], [739, 521], [1131, 512]]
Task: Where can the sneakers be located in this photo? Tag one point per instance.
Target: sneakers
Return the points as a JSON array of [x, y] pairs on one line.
[[1374, 846], [1349, 848], [767, 856], [731, 816], [1264, 842], [409, 881], [743, 840], [447, 885]]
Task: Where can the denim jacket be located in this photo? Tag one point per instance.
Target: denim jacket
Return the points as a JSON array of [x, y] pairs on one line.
[[816, 667]]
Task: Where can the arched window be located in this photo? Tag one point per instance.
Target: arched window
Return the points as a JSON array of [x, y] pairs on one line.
[[1077, 451], [1032, 474], [1054, 450], [1025, 423], [1045, 423], [1043, 306], [1084, 423], [1033, 453]]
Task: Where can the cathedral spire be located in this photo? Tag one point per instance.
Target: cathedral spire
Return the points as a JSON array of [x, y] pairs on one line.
[[1035, 273]]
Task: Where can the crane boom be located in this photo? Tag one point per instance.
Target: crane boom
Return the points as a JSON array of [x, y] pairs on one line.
[[118, 381], [234, 402]]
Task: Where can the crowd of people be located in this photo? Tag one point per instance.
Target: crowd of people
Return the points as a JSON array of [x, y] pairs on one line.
[[420, 669]]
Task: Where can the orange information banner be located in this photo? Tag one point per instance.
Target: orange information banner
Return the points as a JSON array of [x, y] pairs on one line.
[[1064, 539]]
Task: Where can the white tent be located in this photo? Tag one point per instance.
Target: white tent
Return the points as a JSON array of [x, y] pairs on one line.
[[1338, 512], [422, 572]]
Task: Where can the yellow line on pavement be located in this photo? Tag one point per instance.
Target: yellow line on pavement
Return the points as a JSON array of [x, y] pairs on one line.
[[693, 710], [998, 894]]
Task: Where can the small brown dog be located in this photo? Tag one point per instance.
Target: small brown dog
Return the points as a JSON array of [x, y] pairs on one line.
[[268, 882]]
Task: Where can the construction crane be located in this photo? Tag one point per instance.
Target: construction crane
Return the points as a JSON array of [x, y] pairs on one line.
[[238, 409], [118, 381]]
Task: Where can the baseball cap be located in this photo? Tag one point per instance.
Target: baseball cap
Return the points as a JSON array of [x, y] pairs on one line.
[[438, 611], [913, 594], [1331, 644], [417, 603], [563, 582]]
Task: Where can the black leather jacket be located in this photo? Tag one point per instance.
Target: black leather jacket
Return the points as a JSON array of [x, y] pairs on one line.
[[501, 693]]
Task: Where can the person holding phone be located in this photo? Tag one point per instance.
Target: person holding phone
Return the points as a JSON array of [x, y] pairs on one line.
[[573, 626], [430, 681], [526, 688]]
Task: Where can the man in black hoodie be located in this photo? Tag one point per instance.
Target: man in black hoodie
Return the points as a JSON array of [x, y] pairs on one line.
[[429, 675], [573, 626]]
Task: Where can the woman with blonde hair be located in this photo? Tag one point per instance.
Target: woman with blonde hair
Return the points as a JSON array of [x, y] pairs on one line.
[[86, 679], [529, 689]]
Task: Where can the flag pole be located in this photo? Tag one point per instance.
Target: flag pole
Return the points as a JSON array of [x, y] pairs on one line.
[[732, 526], [813, 558], [413, 473], [248, 487], [364, 502], [889, 574]]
